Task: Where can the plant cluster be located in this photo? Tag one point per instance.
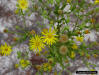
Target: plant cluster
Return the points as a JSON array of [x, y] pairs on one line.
[[63, 40]]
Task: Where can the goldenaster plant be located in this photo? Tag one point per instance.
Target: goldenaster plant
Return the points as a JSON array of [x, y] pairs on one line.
[[57, 38]]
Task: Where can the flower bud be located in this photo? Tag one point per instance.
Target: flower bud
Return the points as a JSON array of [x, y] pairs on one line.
[[88, 56], [32, 32], [66, 61], [15, 39], [60, 12], [5, 30], [63, 38], [95, 55], [87, 31], [93, 20]]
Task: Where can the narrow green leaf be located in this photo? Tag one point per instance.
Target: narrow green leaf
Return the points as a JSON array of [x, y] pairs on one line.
[[58, 1]]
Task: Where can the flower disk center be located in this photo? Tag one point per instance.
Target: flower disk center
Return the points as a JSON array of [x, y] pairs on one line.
[[49, 36], [23, 4], [37, 43], [6, 49]]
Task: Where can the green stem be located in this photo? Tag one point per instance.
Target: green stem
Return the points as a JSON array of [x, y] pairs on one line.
[[68, 71], [86, 64], [58, 27], [23, 18]]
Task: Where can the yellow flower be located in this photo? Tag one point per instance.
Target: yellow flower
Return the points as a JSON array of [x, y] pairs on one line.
[[50, 36], [16, 11], [36, 43], [93, 20], [63, 49], [95, 55], [63, 38], [0, 51], [45, 30], [51, 22], [72, 54], [16, 65], [24, 63], [87, 31], [79, 39], [47, 67], [23, 4], [74, 46], [60, 12], [68, 1], [38, 67], [96, 1], [45, 64], [50, 60], [5, 49]]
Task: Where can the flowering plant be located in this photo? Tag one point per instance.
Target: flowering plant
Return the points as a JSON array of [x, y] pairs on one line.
[[60, 41]]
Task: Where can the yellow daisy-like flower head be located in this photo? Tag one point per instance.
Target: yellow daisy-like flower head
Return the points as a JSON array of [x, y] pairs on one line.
[[73, 54], [5, 49], [50, 36], [68, 1], [24, 63], [47, 67], [74, 46], [23, 4], [16, 65], [96, 1], [36, 43], [79, 39], [45, 30]]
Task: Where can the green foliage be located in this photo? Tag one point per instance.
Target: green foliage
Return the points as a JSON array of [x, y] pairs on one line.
[[58, 1], [19, 54], [70, 27], [50, 1]]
